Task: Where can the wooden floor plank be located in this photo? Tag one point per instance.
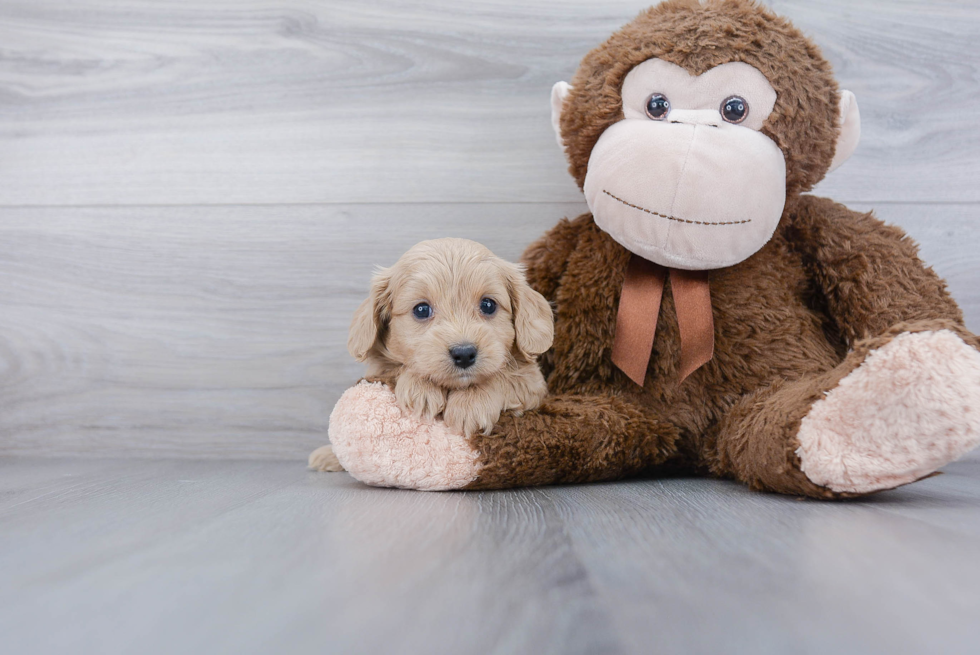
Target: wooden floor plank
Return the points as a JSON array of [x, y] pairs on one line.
[[112, 508], [320, 565], [948, 502], [27, 480], [264, 557], [705, 566], [295, 102]]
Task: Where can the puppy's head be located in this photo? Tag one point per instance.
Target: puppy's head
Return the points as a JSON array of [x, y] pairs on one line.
[[452, 312]]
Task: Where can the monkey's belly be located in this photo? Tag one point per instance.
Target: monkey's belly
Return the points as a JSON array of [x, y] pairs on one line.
[[765, 329]]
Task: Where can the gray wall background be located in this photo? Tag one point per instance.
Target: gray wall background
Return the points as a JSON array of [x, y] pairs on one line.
[[193, 193]]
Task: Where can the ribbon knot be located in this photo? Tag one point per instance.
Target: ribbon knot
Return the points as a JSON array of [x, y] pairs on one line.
[[639, 309]]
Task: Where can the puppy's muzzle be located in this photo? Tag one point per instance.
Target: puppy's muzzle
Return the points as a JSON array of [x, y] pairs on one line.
[[463, 356]]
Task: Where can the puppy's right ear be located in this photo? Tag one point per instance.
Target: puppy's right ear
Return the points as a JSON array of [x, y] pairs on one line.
[[370, 318], [534, 322]]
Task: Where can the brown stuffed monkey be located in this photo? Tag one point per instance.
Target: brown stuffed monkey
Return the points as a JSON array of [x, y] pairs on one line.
[[710, 317]]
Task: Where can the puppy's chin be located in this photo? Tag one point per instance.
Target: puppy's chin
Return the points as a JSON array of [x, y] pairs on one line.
[[463, 381], [456, 380]]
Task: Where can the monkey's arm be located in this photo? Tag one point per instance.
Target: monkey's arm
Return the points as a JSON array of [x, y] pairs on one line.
[[573, 438], [891, 411], [870, 273], [569, 438]]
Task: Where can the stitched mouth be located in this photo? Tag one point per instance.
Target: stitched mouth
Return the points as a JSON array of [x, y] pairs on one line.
[[674, 218]]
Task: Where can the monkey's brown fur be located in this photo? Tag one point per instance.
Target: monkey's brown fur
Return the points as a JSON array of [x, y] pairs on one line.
[[790, 322]]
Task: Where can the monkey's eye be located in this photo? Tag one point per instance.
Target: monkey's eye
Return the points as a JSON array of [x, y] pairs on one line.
[[422, 311], [488, 306], [735, 109], [657, 106]]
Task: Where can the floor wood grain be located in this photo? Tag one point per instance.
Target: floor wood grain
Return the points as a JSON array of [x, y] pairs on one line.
[[221, 331], [160, 556], [293, 101]]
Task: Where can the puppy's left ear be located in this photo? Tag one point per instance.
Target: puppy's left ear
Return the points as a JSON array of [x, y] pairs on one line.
[[534, 323], [371, 317]]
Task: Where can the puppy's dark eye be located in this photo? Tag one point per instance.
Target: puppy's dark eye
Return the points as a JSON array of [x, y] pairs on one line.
[[657, 106], [422, 311], [488, 306], [735, 109]]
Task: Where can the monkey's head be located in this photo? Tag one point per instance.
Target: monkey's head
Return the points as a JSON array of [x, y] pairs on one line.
[[690, 127]]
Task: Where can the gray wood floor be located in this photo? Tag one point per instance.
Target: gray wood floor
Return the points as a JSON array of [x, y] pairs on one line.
[[182, 556]]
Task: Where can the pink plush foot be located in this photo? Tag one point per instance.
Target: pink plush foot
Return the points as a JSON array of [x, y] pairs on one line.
[[912, 406], [381, 446]]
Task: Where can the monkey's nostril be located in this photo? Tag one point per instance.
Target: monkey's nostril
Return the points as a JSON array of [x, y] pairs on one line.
[[464, 356]]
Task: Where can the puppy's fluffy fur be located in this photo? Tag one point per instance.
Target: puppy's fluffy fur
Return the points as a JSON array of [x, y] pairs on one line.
[[412, 354]]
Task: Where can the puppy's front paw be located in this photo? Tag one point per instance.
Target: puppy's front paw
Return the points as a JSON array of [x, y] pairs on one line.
[[525, 390], [421, 398], [469, 411], [323, 459]]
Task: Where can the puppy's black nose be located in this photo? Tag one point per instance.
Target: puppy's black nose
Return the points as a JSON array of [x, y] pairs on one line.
[[463, 356]]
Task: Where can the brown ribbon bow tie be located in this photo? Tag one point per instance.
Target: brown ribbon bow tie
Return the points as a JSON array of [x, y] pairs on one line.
[[639, 308]]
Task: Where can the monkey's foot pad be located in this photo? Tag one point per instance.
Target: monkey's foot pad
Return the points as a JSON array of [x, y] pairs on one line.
[[382, 446], [912, 406]]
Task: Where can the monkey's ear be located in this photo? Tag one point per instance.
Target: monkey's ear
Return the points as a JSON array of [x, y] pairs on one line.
[[369, 318], [558, 94], [534, 322], [850, 129]]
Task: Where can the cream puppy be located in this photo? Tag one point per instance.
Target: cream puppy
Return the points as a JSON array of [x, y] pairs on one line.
[[454, 331]]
